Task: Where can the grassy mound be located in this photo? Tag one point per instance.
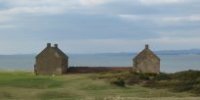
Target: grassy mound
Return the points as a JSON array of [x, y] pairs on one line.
[[185, 81], [179, 82]]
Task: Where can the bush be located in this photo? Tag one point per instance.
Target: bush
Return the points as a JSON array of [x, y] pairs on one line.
[[133, 80], [118, 82], [186, 75], [185, 81], [163, 76], [188, 85], [184, 86], [196, 89], [146, 76]]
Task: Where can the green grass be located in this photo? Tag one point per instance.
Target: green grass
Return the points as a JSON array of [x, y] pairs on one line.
[[26, 80], [27, 86]]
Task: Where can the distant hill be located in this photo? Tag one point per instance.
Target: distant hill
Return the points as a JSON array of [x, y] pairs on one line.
[[178, 52], [161, 52]]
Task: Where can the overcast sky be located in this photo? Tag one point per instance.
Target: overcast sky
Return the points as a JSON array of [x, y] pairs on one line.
[[97, 26]]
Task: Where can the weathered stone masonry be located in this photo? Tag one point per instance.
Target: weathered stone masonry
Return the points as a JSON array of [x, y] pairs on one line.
[[51, 61], [146, 62]]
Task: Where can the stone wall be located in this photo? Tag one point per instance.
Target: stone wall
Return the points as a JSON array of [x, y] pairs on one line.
[[84, 69], [147, 66]]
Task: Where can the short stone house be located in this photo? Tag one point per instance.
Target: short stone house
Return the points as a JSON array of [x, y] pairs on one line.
[[51, 61], [147, 62]]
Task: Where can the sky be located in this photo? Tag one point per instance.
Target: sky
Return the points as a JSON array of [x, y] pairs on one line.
[[98, 26]]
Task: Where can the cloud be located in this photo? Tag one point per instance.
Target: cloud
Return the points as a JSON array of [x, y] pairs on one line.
[[31, 3], [130, 17], [55, 3], [7, 15], [93, 2], [155, 2], [175, 19], [31, 10], [100, 25], [6, 26], [161, 19], [45, 7], [127, 45], [3, 18]]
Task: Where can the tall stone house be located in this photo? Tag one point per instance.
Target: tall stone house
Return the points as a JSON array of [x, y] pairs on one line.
[[51, 61], [146, 62]]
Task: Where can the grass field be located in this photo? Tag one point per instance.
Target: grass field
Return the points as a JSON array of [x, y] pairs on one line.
[[27, 86]]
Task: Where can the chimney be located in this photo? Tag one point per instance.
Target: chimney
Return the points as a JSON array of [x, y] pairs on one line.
[[48, 45], [146, 46], [56, 45]]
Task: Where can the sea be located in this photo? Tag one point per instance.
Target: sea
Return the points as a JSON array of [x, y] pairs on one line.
[[169, 63]]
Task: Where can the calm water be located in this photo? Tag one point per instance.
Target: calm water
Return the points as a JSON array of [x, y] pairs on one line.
[[169, 63]]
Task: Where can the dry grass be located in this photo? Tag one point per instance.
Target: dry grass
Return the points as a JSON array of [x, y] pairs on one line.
[[26, 86]]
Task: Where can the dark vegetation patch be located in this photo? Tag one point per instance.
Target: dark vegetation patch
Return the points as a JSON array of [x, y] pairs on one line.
[[4, 94], [85, 69], [185, 81], [52, 95], [118, 82], [94, 86]]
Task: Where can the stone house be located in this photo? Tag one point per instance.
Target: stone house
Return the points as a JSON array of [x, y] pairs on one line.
[[51, 61], [147, 62]]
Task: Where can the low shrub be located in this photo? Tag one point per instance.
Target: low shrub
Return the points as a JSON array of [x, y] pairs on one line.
[[183, 86], [133, 80], [185, 81], [188, 85], [186, 75], [118, 82], [162, 76]]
